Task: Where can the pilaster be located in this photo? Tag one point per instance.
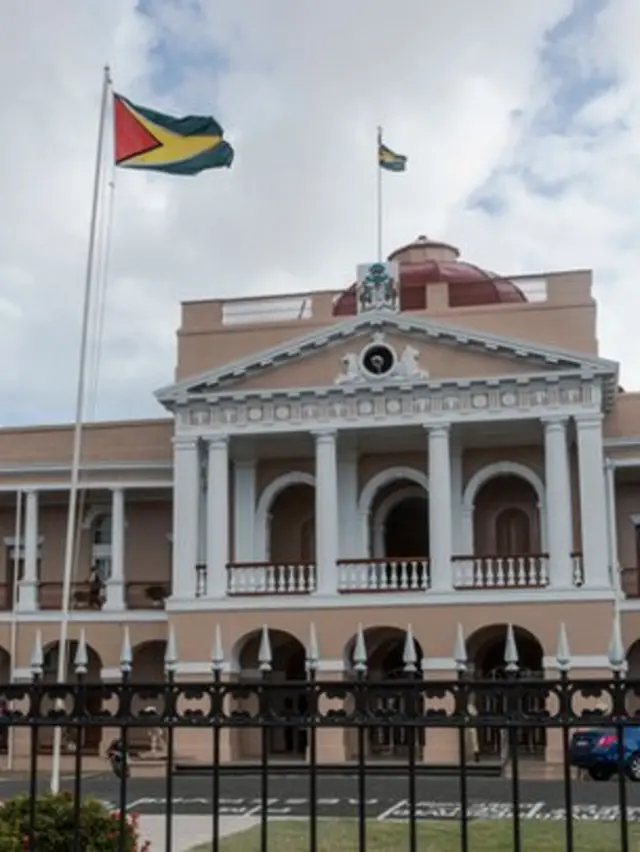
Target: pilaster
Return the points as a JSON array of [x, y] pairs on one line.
[[186, 471]]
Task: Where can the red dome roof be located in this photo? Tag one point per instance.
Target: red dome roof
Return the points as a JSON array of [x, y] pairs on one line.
[[424, 262]]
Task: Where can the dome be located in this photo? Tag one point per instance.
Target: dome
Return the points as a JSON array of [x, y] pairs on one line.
[[424, 262]]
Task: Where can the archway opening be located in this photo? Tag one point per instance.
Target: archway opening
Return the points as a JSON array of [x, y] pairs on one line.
[[288, 664], [291, 526], [486, 648], [89, 736], [148, 667], [506, 518], [385, 651], [406, 530]]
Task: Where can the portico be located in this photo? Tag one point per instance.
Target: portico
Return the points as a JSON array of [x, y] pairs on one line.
[[346, 555]]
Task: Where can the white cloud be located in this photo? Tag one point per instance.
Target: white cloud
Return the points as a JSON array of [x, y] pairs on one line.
[[300, 89]]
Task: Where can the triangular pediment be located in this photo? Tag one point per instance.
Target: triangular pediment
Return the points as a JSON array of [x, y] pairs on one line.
[[422, 350]]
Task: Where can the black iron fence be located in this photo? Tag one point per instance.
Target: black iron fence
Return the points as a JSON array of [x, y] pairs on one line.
[[590, 723]]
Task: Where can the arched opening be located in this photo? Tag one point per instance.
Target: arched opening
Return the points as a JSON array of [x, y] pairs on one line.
[[406, 531], [399, 534], [486, 649], [288, 664], [506, 518], [292, 526], [385, 651], [148, 667], [90, 735]]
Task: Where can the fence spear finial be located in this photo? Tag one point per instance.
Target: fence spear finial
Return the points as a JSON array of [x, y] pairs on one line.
[[460, 650], [360, 651], [313, 652], [171, 652], [81, 660], [563, 655], [265, 656], [409, 654], [217, 651], [37, 655], [126, 654], [617, 656], [511, 651]]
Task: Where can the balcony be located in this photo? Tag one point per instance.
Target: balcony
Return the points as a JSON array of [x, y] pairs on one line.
[[263, 578], [86, 596], [376, 576]]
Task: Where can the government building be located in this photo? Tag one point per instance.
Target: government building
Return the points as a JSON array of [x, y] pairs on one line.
[[434, 445]]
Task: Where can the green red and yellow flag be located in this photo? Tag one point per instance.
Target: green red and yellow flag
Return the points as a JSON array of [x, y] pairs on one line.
[[146, 139]]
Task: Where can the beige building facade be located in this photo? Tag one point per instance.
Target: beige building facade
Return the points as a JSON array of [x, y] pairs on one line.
[[434, 445]]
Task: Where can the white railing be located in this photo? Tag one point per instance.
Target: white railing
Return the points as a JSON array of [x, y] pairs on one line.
[[383, 575], [259, 578], [498, 572], [268, 310]]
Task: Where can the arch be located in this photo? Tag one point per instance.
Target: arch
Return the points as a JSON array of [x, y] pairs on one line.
[[492, 471], [386, 477], [378, 641], [486, 647], [288, 665], [502, 468], [91, 735], [378, 481], [385, 651], [392, 500], [265, 501]]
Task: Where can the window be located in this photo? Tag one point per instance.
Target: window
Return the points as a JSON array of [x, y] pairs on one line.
[[513, 533]]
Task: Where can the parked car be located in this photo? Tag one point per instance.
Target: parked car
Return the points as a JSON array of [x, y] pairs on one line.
[[596, 751]]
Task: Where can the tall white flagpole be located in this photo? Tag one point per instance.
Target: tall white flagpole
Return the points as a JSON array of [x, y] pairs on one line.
[[13, 641], [379, 193], [69, 550]]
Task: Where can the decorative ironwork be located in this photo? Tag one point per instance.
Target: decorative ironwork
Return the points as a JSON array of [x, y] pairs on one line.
[[401, 710]]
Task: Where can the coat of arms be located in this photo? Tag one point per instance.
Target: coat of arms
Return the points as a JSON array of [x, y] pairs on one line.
[[377, 287]]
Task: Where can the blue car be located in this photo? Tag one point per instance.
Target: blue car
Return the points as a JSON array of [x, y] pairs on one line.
[[596, 751]]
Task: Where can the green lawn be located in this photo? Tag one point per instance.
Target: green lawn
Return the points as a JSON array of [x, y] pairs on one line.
[[484, 836]]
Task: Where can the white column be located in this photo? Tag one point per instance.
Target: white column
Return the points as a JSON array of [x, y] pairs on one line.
[[558, 502], [612, 524], [326, 513], [115, 585], [217, 516], [440, 543], [350, 539], [186, 476], [28, 587], [244, 510], [593, 504]]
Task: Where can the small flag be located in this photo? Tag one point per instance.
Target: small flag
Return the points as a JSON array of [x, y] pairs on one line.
[[146, 139], [389, 160]]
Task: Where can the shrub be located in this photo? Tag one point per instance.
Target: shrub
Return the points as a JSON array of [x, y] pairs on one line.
[[55, 828]]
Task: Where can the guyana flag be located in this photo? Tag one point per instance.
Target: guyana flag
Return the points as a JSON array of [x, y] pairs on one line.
[[146, 139]]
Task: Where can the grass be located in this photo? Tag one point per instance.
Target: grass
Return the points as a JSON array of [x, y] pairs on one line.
[[484, 836]]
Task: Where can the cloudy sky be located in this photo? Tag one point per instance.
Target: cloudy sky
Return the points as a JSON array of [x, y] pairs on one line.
[[521, 122]]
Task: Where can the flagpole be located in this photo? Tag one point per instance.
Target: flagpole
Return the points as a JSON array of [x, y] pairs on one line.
[[379, 194], [77, 429], [13, 640]]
